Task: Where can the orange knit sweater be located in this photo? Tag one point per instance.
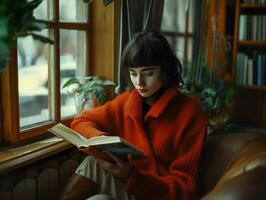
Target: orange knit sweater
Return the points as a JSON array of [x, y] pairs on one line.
[[171, 134]]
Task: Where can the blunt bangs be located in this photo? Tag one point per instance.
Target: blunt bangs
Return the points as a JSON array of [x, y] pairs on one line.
[[141, 54], [149, 48]]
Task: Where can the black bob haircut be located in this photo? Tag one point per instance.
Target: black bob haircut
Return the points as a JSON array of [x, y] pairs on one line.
[[150, 48]]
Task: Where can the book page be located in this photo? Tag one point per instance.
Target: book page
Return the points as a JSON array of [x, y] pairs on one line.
[[69, 135], [103, 143], [80, 141]]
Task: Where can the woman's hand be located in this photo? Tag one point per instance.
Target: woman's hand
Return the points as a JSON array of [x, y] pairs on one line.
[[121, 169]]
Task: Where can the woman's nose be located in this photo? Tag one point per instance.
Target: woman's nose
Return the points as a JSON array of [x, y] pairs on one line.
[[140, 80]]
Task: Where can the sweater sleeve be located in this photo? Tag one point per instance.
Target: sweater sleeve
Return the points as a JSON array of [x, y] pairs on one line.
[[179, 182], [100, 120]]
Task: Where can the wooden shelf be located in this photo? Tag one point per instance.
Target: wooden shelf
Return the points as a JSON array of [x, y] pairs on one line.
[[249, 100], [252, 87], [252, 6], [253, 43], [249, 45], [253, 9]]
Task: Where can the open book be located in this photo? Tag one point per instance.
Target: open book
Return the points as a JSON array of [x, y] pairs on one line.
[[98, 146]]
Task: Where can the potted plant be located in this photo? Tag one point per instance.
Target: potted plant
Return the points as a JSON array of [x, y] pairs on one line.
[[17, 20], [215, 96], [86, 89]]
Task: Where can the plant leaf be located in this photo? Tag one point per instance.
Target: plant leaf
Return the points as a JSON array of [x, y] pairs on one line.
[[71, 82], [108, 83], [33, 4], [99, 94], [3, 27], [97, 80], [41, 38], [106, 2], [37, 25]]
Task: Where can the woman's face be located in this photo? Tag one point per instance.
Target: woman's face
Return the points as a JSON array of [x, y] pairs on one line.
[[147, 80]]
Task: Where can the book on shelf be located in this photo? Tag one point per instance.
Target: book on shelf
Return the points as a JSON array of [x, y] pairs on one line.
[[261, 69], [250, 72], [240, 69], [98, 146], [242, 33], [251, 69], [252, 27], [255, 67]]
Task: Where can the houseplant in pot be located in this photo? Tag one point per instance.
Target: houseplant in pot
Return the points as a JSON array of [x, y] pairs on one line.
[[85, 90], [215, 96]]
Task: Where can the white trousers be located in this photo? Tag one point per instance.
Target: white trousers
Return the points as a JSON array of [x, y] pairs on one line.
[[108, 183]]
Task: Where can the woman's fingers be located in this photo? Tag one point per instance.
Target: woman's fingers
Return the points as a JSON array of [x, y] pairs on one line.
[[116, 159], [108, 166], [130, 157], [120, 169]]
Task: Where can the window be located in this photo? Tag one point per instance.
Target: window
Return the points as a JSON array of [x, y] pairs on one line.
[[177, 26], [32, 92]]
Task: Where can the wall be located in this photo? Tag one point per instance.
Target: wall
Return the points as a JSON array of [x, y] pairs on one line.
[[103, 39]]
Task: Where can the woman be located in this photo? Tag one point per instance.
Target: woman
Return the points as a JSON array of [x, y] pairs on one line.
[[155, 116]]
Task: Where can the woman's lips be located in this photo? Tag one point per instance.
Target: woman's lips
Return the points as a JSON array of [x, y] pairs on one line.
[[142, 90]]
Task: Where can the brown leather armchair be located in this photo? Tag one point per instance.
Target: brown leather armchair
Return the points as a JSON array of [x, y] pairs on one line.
[[233, 167]]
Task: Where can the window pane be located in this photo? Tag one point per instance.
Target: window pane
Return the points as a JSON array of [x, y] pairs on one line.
[[73, 11], [72, 64], [169, 18], [190, 50], [180, 49], [177, 44], [44, 10], [189, 53], [33, 77], [191, 16], [174, 15]]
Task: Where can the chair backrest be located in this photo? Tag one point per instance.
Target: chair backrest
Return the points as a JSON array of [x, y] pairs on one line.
[[228, 155]]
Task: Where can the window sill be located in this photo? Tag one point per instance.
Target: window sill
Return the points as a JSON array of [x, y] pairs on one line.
[[17, 157]]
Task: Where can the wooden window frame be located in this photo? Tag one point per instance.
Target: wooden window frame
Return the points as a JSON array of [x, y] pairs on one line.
[[186, 35], [103, 46], [10, 130]]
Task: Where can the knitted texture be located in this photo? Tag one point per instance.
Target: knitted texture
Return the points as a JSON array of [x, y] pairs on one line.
[[171, 134]]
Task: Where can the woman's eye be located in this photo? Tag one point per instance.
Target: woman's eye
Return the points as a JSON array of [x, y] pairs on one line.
[[133, 74], [149, 73]]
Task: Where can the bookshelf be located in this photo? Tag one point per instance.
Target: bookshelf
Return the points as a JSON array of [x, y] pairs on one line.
[[248, 62]]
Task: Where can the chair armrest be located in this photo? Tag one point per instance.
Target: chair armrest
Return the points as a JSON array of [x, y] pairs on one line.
[[248, 185]]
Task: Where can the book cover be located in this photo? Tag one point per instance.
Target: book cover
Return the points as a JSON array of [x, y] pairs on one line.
[[250, 71], [98, 146], [242, 33], [260, 75], [240, 69]]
